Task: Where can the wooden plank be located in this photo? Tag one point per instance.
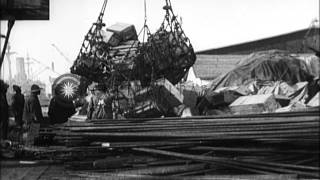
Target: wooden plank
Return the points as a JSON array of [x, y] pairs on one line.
[[271, 133], [229, 162], [206, 177], [35, 173], [265, 150], [162, 170]]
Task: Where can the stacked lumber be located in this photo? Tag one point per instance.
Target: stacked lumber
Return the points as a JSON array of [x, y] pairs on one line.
[[270, 146]]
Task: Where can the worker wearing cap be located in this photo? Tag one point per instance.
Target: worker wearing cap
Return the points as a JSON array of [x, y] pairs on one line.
[[17, 105], [32, 110], [4, 110], [32, 115]]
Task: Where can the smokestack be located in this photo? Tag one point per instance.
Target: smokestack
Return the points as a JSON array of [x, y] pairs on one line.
[[21, 72]]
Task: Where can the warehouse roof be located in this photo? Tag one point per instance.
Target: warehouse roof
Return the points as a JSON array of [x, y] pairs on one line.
[[292, 42]]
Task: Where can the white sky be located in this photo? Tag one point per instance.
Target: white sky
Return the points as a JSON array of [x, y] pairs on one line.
[[208, 24]]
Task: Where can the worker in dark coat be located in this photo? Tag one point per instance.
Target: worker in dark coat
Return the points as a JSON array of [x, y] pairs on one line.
[[4, 110], [32, 115], [17, 105], [60, 109], [32, 110], [100, 104]]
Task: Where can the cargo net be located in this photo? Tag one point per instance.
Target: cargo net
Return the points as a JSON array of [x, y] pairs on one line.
[[169, 50], [129, 68], [107, 55], [91, 62]]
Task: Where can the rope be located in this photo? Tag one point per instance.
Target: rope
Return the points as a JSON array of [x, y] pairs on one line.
[[145, 20]]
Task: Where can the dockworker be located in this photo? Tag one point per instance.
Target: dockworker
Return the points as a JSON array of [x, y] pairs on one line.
[[60, 109], [17, 105], [4, 110], [100, 104], [86, 100], [32, 115]]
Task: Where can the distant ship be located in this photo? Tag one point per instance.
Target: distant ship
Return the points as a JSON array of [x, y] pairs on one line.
[[21, 79]]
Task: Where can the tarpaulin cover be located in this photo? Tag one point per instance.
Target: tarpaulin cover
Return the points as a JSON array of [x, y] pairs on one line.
[[273, 65]]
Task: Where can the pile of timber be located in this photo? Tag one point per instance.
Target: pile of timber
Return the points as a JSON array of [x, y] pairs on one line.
[[265, 146]]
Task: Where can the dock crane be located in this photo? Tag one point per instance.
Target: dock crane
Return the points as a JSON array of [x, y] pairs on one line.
[[45, 67], [62, 54]]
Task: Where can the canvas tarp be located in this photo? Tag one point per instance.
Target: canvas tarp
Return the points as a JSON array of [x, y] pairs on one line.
[[273, 65]]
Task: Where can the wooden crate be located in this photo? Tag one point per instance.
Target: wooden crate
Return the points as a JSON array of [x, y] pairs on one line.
[[165, 90], [223, 98], [254, 104], [125, 31], [145, 109], [314, 102], [110, 38]]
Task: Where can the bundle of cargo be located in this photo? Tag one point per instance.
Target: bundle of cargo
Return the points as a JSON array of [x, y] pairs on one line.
[[109, 53], [161, 98], [169, 50], [272, 65], [114, 56], [261, 73], [116, 52]]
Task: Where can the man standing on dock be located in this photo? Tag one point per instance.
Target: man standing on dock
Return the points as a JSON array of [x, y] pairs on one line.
[[4, 110], [32, 114], [17, 105]]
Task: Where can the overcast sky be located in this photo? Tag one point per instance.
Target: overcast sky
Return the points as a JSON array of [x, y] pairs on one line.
[[208, 24]]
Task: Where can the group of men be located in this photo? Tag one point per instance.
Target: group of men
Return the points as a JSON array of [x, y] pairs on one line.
[[97, 105], [26, 112]]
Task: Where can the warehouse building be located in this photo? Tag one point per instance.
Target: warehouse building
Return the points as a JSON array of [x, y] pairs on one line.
[[211, 63]]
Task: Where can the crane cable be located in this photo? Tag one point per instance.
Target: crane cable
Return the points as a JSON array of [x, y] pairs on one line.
[[102, 11], [145, 20]]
